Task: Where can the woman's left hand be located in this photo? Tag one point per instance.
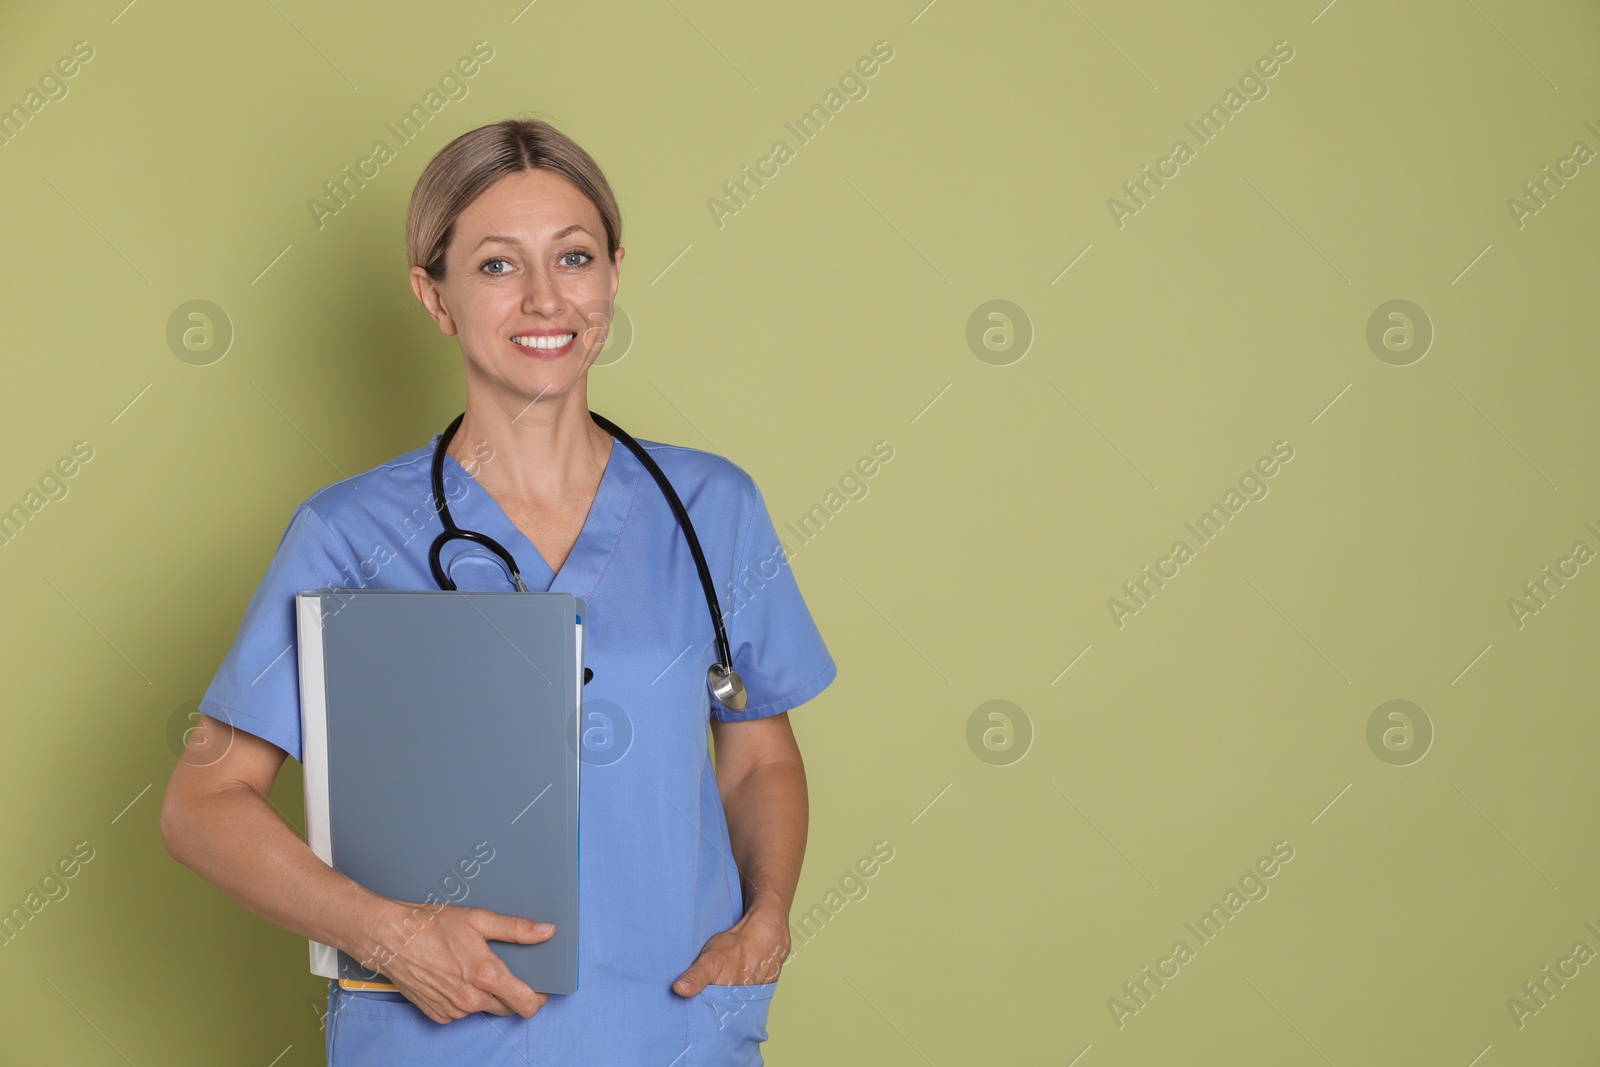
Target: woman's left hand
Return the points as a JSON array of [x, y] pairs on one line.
[[750, 952]]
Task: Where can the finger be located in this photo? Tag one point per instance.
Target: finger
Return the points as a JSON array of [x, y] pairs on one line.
[[495, 980], [516, 928], [436, 1008], [466, 999], [706, 967], [469, 997], [494, 1005]]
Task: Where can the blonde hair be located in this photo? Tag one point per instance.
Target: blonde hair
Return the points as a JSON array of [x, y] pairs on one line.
[[474, 161]]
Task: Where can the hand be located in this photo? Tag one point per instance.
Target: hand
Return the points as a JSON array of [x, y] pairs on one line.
[[438, 957], [749, 952]]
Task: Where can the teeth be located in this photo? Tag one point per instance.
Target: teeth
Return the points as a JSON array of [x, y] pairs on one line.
[[544, 342]]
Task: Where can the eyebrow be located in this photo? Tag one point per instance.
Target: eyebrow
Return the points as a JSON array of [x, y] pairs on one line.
[[501, 238]]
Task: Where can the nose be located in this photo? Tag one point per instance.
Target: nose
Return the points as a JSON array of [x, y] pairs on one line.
[[543, 293]]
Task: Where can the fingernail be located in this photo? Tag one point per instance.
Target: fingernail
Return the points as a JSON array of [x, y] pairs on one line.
[[544, 928]]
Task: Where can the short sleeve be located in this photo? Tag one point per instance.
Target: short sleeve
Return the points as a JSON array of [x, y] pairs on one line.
[[257, 687], [776, 647]]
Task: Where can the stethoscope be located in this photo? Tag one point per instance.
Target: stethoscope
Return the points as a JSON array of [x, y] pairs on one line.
[[723, 681]]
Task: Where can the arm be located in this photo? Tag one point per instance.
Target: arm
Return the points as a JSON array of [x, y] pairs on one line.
[[762, 780], [216, 820]]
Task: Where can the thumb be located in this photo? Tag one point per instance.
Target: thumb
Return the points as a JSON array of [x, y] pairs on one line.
[[696, 977], [523, 931]]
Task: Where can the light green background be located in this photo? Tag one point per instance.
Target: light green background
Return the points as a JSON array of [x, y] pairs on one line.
[[830, 313]]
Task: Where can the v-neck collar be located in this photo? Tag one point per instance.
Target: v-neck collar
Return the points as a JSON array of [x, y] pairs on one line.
[[602, 527]]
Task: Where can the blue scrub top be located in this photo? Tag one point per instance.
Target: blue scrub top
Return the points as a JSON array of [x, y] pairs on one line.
[[656, 872]]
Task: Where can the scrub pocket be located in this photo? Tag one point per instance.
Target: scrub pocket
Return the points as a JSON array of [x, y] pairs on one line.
[[727, 1024], [369, 1028]]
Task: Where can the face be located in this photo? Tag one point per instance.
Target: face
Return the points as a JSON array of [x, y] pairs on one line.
[[528, 288]]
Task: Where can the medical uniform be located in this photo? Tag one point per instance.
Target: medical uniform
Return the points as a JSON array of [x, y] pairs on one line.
[[656, 873]]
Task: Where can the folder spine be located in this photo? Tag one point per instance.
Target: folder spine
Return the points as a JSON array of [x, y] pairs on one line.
[[314, 754], [577, 781]]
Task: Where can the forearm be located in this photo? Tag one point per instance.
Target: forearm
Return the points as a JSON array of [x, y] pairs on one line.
[[235, 840], [768, 812]]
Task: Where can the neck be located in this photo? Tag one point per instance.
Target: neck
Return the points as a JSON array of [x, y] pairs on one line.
[[543, 453]]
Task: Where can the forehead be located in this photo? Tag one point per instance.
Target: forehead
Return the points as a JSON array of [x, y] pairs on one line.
[[531, 206]]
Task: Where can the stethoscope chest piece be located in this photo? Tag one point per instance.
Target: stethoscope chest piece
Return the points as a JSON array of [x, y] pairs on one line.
[[726, 686], [724, 682]]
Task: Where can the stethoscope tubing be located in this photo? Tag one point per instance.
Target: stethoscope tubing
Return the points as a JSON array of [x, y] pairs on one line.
[[453, 532]]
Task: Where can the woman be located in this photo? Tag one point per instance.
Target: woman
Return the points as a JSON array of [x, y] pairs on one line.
[[687, 870]]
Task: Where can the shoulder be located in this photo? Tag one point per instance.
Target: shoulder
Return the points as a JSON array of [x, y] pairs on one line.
[[719, 494], [395, 487], [698, 472]]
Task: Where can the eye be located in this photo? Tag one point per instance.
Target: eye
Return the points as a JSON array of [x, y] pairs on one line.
[[496, 259], [577, 252]]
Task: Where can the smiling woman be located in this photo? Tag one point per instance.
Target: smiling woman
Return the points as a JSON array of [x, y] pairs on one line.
[[688, 865], [529, 300]]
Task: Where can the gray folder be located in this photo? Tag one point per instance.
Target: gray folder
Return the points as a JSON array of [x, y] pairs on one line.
[[440, 749]]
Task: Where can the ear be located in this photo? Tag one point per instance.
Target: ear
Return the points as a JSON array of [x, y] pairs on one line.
[[432, 300]]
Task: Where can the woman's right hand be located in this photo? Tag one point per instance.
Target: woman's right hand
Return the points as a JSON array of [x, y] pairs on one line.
[[217, 821], [439, 958]]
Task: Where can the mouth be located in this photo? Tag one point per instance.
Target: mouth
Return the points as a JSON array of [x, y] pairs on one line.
[[545, 346]]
